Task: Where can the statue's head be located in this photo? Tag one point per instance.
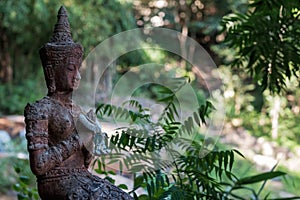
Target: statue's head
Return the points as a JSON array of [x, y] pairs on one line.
[[61, 57]]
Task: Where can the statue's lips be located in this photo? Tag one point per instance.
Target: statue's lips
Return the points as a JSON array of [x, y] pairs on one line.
[[76, 84]]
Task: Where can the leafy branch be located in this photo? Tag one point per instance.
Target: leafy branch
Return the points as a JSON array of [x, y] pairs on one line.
[[266, 41], [193, 170]]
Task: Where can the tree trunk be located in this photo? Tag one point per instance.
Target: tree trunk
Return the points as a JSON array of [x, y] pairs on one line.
[[275, 116], [6, 72]]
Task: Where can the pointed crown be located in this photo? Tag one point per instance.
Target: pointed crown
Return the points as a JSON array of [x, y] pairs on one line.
[[61, 45]]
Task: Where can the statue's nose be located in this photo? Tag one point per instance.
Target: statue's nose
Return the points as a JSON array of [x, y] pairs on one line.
[[77, 77]]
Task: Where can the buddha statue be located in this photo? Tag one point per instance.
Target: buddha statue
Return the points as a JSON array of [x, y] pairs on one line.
[[58, 156]]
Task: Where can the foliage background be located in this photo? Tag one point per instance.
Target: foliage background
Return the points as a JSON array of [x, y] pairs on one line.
[[255, 45]]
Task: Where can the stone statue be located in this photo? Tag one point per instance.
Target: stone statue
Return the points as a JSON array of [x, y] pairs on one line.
[[59, 157]]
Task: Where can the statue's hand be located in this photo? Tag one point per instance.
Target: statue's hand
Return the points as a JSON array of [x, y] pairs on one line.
[[91, 115], [96, 142], [87, 140], [93, 118], [90, 122], [101, 144], [85, 128]]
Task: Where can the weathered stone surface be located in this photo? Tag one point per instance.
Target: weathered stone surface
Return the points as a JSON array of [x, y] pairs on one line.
[[58, 157]]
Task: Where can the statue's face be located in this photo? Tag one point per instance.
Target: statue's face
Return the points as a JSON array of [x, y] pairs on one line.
[[67, 77]]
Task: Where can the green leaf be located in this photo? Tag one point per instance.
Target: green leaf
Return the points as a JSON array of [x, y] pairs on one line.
[[17, 169], [123, 186], [111, 172], [143, 197], [259, 178], [239, 153], [17, 187], [110, 179], [147, 144], [196, 118], [115, 139], [287, 198], [220, 156], [174, 109], [99, 171], [124, 139], [24, 179], [99, 108], [135, 196], [119, 112], [132, 141], [166, 99], [226, 156], [231, 160], [170, 116], [121, 166], [138, 181], [150, 190]]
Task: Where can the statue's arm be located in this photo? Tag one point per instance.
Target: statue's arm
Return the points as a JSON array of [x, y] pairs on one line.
[[86, 136], [42, 156]]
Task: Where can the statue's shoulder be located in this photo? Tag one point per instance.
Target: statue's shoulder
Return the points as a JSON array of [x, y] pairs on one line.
[[76, 108], [38, 110]]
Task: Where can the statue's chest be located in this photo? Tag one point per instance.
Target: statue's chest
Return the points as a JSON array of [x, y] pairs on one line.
[[61, 124]]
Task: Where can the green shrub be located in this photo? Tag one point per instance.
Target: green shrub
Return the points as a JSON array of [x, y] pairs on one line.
[[199, 171], [13, 98]]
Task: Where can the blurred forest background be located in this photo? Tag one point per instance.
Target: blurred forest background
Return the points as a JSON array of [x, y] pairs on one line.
[[255, 45]]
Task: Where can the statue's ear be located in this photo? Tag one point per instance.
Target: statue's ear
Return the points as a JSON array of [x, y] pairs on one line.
[[49, 75]]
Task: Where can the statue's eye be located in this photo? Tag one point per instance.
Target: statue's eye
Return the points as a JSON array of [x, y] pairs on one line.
[[71, 67]]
